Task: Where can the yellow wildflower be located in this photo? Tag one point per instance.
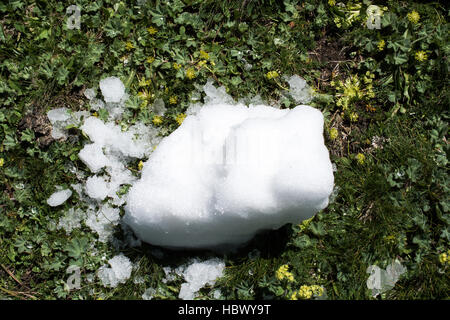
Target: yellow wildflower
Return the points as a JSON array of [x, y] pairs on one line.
[[294, 295], [305, 292], [333, 133], [413, 17], [190, 73], [331, 2], [283, 273], [173, 100], [143, 95], [201, 63], [421, 56], [444, 257], [176, 66], [152, 30], [150, 59], [2, 162], [353, 117], [272, 75], [381, 45], [180, 118], [95, 114], [204, 55], [360, 158], [129, 45], [140, 165], [157, 120]]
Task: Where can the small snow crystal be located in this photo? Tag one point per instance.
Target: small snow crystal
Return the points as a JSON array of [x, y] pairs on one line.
[[119, 272], [59, 197], [198, 274], [230, 171], [112, 89]]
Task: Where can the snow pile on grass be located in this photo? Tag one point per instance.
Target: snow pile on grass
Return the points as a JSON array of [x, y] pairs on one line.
[[59, 197], [118, 272], [230, 171]]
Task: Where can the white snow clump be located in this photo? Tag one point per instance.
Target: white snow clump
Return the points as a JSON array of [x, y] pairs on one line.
[[119, 272], [230, 171], [112, 89], [299, 89], [59, 197], [198, 274]]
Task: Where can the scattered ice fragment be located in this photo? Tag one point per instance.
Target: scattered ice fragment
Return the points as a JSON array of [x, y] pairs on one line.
[[96, 104], [299, 89], [90, 93], [381, 280], [112, 89], [216, 95], [59, 197], [97, 188], [71, 220], [229, 172], [103, 221], [198, 274], [148, 294], [119, 272], [60, 114], [159, 107], [92, 156]]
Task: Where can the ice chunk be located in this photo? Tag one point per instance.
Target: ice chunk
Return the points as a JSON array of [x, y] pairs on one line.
[[229, 172], [216, 95], [59, 197], [90, 93], [92, 155], [159, 107], [97, 188], [96, 104], [299, 89], [103, 221], [60, 114], [119, 272], [381, 280], [112, 89], [71, 220], [198, 274]]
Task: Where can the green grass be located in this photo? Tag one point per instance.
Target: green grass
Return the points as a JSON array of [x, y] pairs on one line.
[[392, 205]]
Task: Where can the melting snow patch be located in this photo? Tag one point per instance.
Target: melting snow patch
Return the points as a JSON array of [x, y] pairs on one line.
[[230, 171], [71, 220], [381, 280], [119, 272], [59, 197], [299, 89]]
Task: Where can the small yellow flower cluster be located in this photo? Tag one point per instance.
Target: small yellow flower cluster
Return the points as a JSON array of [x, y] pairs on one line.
[[157, 120], [173, 100], [140, 165], [421, 56], [2, 162], [333, 133], [152, 30], [351, 90], [413, 17], [381, 44], [190, 73], [272, 75], [283, 273], [180, 118], [331, 2], [348, 14], [307, 292], [444, 258], [176, 66], [305, 224], [129, 46], [150, 60], [360, 158], [204, 55], [144, 83]]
